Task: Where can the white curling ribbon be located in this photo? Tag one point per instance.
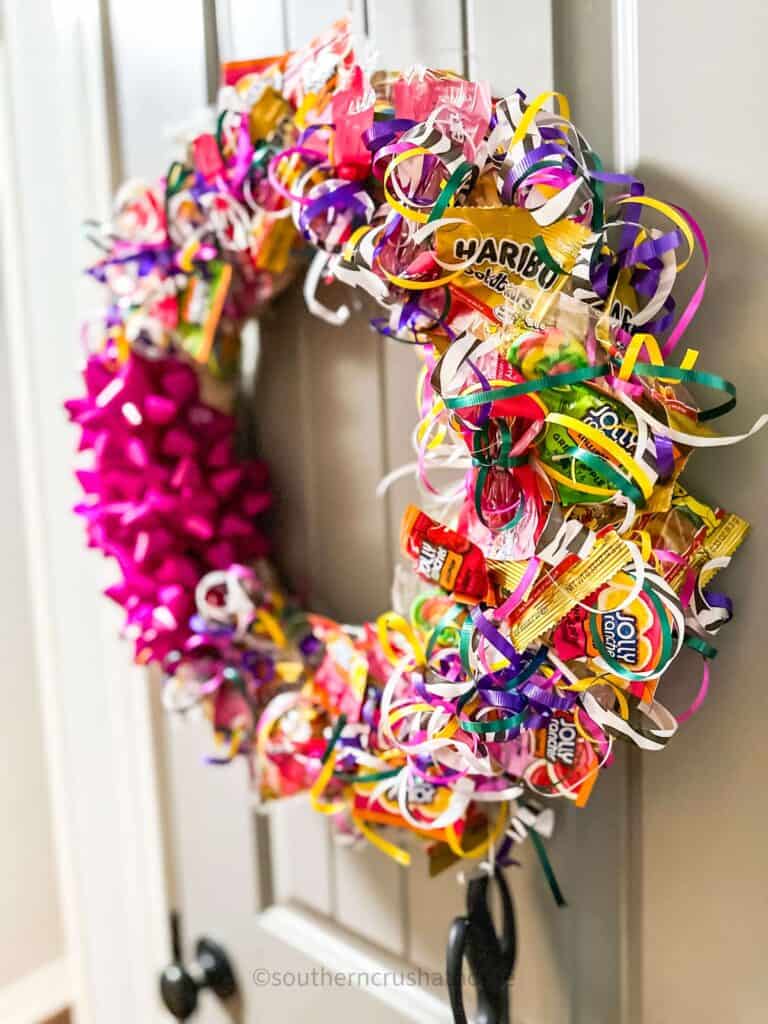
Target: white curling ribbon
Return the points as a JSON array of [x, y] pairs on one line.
[[708, 618], [691, 440], [553, 209], [526, 819], [553, 659], [450, 691], [458, 757], [557, 549], [236, 604], [454, 356], [458, 352], [134, 191], [336, 318], [359, 273], [180, 695], [361, 277], [461, 797], [229, 220], [664, 721], [498, 796], [368, 761], [388, 703], [383, 787], [456, 459], [628, 521]]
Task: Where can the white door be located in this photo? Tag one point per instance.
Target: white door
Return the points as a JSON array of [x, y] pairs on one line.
[[664, 871], [275, 889]]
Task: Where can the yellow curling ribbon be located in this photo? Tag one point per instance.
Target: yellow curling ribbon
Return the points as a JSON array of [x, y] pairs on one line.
[[588, 682], [289, 671], [397, 853], [643, 539], [122, 344], [271, 627], [307, 104], [234, 743], [426, 423], [447, 731], [454, 843], [573, 484], [409, 212], [654, 357], [322, 780], [355, 238], [689, 359], [391, 621], [417, 708], [527, 119], [411, 284], [188, 253], [598, 438]]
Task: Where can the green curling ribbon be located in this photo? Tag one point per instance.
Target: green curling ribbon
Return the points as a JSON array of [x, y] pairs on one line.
[[481, 442], [587, 373], [547, 868], [445, 622], [499, 725], [546, 256], [372, 777], [598, 193], [219, 130], [175, 179], [605, 469], [337, 729], [697, 644], [262, 154], [709, 380], [465, 645], [452, 186], [527, 387]]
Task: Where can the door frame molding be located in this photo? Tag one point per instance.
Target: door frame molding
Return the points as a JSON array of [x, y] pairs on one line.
[[56, 96]]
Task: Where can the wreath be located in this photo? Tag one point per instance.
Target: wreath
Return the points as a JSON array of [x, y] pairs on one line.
[[561, 570]]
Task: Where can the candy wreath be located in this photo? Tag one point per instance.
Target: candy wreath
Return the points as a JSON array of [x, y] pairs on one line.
[[564, 567]]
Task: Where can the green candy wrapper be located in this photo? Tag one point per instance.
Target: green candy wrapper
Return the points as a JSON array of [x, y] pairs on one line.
[[594, 409]]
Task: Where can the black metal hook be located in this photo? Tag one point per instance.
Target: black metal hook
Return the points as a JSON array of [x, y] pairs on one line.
[[491, 958]]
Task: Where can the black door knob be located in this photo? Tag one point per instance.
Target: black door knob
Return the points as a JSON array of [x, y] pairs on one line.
[[180, 984]]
